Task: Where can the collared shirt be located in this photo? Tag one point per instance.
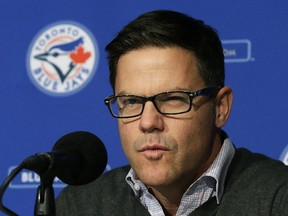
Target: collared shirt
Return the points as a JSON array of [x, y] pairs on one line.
[[209, 184]]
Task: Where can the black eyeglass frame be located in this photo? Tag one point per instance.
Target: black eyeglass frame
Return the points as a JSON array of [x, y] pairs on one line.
[[192, 94]]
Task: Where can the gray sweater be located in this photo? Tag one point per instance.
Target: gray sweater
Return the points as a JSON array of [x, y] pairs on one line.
[[255, 185]]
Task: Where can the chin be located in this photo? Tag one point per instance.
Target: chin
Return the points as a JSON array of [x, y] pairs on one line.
[[154, 177]]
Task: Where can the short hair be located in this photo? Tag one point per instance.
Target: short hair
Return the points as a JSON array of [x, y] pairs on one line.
[[165, 28]]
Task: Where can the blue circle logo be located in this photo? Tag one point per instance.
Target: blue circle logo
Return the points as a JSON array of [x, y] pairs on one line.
[[62, 58]]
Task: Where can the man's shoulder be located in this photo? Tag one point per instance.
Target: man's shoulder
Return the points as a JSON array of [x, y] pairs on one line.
[[111, 180], [248, 162], [256, 174], [255, 183], [103, 196], [108, 185], [256, 169]]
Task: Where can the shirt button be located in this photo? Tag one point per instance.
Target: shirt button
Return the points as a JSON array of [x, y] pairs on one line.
[[136, 186]]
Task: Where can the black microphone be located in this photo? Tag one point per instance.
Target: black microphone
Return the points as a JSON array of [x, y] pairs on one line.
[[77, 158]]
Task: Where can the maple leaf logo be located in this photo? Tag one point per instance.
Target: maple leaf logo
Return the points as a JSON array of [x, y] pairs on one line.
[[80, 56]]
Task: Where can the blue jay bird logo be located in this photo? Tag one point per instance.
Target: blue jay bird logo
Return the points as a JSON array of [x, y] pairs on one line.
[[56, 56], [62, 58]]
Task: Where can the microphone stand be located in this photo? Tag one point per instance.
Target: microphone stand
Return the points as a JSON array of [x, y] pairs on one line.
[[45, 202]]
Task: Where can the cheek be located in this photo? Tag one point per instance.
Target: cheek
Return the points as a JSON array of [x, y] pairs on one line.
[[122, 131], [126, 133], [194, 147], [196, 134], [186, 136]]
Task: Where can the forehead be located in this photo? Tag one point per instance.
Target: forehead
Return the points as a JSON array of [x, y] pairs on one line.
[[151, 70]]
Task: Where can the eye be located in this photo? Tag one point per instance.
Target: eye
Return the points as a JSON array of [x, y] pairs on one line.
[[55, 54], [175, 97], [129, 101]]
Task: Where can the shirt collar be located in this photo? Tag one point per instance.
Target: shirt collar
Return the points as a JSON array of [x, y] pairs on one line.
[[219, 167]]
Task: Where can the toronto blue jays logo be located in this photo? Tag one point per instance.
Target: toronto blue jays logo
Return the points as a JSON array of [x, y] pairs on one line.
[[62, 58]]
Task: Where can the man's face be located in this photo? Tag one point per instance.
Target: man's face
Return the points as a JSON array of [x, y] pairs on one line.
[[166, 150]]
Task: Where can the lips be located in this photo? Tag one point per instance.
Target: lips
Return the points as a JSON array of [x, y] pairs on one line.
[[153, 148], [153, 152]]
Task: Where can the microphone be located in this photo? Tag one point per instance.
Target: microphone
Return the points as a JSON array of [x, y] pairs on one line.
[[76, 159]]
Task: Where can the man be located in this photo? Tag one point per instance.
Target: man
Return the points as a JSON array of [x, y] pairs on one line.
[[167, 74]]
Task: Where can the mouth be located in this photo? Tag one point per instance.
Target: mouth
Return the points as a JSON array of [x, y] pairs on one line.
[[153, 152]]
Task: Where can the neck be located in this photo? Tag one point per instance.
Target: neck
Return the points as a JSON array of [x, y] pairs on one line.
[[169, 200]]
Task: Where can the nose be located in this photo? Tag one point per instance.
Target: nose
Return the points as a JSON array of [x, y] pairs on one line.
[[151, 120]]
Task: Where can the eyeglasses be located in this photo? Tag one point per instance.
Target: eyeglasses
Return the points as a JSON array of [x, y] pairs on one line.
[[166, 103]]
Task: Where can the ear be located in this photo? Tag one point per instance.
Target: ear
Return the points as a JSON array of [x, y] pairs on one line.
[[223, 106]]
